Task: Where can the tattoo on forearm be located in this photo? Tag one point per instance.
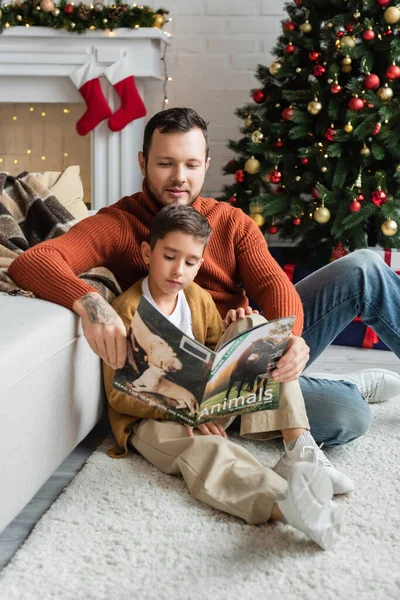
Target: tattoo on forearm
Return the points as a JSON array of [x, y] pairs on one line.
[[98, 310]]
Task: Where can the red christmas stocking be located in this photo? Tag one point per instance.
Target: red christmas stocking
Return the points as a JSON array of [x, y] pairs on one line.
[[132, 106], [97, 107]]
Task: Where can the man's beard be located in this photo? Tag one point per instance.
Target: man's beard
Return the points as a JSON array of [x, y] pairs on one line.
[[157, 198]]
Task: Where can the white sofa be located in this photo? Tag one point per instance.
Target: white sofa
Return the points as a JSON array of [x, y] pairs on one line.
[[51, 390], [51, 395]]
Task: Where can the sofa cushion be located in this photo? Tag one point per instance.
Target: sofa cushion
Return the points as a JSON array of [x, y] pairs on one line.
[[67, 187], [32, 330]]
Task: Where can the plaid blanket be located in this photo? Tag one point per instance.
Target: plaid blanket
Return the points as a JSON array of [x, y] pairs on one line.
[[29, 214]]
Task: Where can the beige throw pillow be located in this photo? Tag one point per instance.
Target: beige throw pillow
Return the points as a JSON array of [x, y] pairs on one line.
[[67, 187]]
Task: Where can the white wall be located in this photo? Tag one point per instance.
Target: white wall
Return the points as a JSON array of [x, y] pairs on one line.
[[214, 53]]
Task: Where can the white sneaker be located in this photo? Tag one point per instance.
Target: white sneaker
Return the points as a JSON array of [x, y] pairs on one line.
[[307, 505], [376, 385], [306, 449]]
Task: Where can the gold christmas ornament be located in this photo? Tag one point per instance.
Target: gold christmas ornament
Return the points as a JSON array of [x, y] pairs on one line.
[[306, 27], [72, 25], [47, 5], [297, 178], [18, 17], [158, 21], [257, 137], [365, 151], [55, 12], [329, 25], [298, 69], [389, 227], [321, 215], [248, 122], [391, 15], [324, 169], [252, 166], [385, 93], [397, 167], [346, 60], [346, 68], [357, 14], [258, 219], [347, 41], [274, 67], [314, 107]]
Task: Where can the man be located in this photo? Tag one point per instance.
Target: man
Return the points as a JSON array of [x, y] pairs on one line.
[[174, 162]]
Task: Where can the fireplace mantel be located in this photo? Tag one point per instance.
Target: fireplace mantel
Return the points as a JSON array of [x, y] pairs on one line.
[[35, 65]]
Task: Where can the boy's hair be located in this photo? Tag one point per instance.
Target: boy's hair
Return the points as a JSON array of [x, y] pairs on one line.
[[176, 217], [172, 120]]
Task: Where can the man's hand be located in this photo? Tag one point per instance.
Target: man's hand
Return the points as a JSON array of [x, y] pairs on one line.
[[212, 428], [235, 315], [103, 329], [291, 365]]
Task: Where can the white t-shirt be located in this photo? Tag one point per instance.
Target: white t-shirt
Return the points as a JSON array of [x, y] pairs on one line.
[[181, 317]]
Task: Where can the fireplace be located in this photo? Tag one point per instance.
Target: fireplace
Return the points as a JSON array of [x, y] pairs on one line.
[[35, 65]]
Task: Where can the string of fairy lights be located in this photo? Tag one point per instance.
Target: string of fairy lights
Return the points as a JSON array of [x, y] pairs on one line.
[[8, 160]]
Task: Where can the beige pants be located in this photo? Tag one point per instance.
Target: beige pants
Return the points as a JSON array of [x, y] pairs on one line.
[[217, 471]]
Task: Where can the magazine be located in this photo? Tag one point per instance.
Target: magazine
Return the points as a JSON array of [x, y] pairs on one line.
[[174, 373]]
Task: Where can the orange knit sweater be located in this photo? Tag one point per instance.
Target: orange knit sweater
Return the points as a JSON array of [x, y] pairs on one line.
[[236, 259]]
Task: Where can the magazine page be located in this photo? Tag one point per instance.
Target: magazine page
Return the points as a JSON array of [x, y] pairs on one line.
[[165, 368], [240, 379]]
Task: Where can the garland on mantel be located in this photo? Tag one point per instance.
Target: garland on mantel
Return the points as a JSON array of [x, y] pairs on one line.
[[79, 17]]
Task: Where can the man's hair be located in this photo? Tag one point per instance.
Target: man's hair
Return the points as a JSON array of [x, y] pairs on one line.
[[183, 218], [172, 120]]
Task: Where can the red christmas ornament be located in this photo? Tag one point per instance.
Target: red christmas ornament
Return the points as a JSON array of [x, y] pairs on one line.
[[239, 176], [287, 113], [278, 143], [388, 32], [339, 34], [232, 200], [338, 251], [288, 26], [315, 193], [372, 81], [297, 221], [378, 197], [376, 128], [383, 2], [355, 206], [68, 9], [298, 2], [330, 134], [360, 198], [273, 229], [356, 104], [393, 72], [319, 70], [370, 105], [258, 96], [313, 55], [290, 49], [368, 35], [349, 27], [304, 161], [336, 88], [275, 176]]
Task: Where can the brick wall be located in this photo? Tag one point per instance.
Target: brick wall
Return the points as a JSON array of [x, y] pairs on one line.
[[214, 53]]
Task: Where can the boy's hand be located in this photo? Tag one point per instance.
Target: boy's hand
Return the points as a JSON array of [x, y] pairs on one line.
[[291, 365], [235, 315], [103, 329], [212, 428]]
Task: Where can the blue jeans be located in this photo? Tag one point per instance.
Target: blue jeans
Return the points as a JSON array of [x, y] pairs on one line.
[[360, 284]]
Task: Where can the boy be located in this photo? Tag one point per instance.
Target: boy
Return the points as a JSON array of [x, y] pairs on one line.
[[217, 471]]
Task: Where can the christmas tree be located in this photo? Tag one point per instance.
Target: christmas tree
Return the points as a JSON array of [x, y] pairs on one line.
[[319, 160]]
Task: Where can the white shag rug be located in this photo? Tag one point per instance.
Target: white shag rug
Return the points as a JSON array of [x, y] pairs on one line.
[[124, 530]]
